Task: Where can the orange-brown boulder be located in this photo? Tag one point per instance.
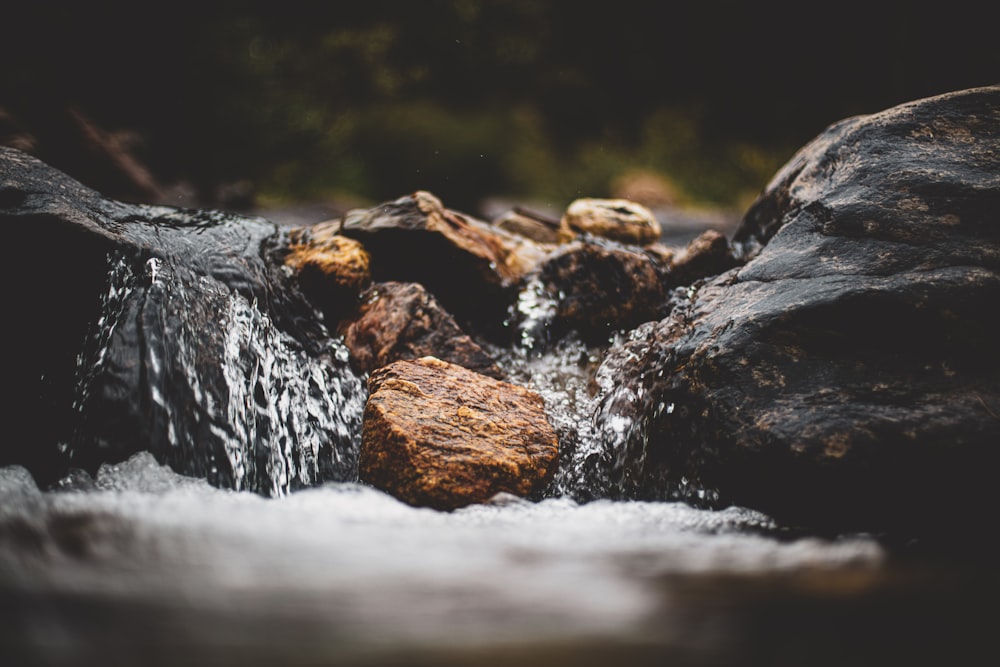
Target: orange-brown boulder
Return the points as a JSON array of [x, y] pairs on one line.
[[439, 435]]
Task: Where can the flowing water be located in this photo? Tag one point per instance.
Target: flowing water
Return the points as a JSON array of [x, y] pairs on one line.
[[267, 551], [199, 354], [141, 562]]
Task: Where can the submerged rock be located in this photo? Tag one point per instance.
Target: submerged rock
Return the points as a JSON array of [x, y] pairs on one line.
[[168, 330], [404, 321], [848, 375], [439, 435], [616, 219]]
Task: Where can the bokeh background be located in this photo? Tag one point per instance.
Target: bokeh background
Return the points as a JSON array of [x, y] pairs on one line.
[[251, 104]]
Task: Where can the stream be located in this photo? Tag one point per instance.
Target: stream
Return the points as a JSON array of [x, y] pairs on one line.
[[285, 559]]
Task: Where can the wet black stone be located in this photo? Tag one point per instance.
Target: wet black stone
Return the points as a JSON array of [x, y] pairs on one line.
[[599, 287], [848, 375], [116, 335]]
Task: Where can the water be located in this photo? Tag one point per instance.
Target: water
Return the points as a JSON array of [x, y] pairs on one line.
[[602, 445], [204, 355], [343, 571], [256, 545]]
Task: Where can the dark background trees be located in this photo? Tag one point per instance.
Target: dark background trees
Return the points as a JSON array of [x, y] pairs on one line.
[[467, 99]]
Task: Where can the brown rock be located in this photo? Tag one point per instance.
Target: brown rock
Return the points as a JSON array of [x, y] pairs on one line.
[[439, 435], [470, 265], [616, 219], [331, 269], [404, 321], [533, 226], [662, 255], [707, 255]]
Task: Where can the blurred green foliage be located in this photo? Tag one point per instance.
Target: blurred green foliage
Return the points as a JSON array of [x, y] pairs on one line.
[[469, 99]]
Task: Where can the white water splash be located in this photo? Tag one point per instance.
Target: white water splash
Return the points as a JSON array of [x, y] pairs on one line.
[[217, 388]]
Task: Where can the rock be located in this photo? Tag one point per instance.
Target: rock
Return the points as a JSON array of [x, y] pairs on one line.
[[442, 436], [534, 226], [404, 321], [707, 255], [471, 266], [597, 288], [661, 255], [332, 269], [616, 219], [848, 375], [169, 330]]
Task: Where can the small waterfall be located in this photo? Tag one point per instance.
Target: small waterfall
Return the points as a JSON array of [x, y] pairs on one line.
[[604, 426], [564, 372], [192, 358]]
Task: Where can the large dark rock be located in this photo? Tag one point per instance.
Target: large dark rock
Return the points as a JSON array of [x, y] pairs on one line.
[[132, 328], [848, 375]]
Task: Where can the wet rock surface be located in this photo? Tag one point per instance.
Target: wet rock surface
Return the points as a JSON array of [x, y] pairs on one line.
[[597, 288], [470, 265], [439, 435], [168, 330], [847, 375], [404, 321], [842, 373], [620, 220]]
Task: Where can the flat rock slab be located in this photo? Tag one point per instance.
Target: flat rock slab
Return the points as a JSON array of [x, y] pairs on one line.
[[439, 435]]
